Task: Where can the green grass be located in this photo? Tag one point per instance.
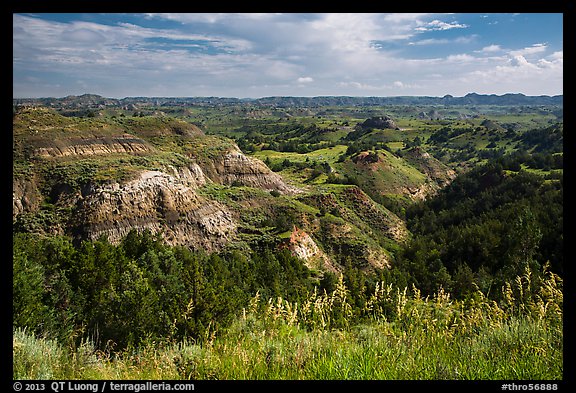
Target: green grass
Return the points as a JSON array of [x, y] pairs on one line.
[[404, 337], [249, 351], [329, 155], [390, 175], [396, 145]]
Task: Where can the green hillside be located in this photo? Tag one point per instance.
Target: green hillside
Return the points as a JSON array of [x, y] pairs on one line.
[[186, 240]]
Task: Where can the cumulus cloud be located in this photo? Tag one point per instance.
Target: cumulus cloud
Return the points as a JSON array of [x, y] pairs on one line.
[[559, 55], [519, 61], [264, 54], [543, 76], [436, 25], [460, 58]]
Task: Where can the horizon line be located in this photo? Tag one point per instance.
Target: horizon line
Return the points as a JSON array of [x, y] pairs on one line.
[[291, 96]]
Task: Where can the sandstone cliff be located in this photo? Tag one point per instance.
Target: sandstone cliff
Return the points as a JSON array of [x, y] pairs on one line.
[[89, 178], [159, 202], [89, 145], [232, 167], [304, 247], [97, 178], [25, 195]]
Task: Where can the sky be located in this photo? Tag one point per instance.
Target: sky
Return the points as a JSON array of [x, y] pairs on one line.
[[295, 54]]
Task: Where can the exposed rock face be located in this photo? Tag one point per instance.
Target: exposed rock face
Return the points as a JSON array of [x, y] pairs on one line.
[[344, 239], [163, 201], [303, 246], [380, 122], [360, 216], [88, 146], [233, 167], [159, 202], [422, 192], [191, 176], [432, 115], [25, 196]]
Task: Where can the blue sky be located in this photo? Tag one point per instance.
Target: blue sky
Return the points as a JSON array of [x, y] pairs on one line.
[[258, 55]]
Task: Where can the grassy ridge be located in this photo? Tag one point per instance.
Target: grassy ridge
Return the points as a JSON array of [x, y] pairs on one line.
[[407, 337]]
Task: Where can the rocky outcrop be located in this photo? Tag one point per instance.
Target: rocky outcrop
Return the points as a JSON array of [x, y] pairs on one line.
[[343, 238], [421, 192], [160, 202], [191, 175], [25, 195], [304, 247], [381, 122], [234, 168], [432, 115], [348, 216], [164, 200], [90, 145]]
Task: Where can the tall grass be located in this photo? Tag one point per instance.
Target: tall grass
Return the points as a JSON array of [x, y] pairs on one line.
[[404, 336]]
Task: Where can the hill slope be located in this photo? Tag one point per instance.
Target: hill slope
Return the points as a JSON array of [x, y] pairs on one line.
[[88, 177]]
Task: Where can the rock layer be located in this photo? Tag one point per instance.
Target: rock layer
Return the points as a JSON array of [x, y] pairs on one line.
[[304, 247], [88, 146], [235, 168], [159, 202]]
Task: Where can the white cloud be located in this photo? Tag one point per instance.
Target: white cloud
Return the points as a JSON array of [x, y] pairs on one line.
[[554, 61], [403, 17], [305, 79], [557, 55], [264, 54], [437, 25], [85, 36], [460, 58], [385, 88], [539, 77], [212, 18], [490, 49], [356, 85], [536, 48], [520, 61]]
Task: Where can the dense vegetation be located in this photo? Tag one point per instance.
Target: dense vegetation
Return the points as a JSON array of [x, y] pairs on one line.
[[142, 288], [485, 228], [474, 291], [404, 336]]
